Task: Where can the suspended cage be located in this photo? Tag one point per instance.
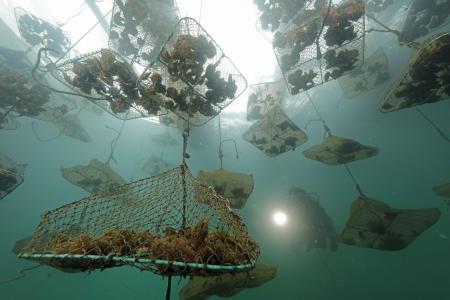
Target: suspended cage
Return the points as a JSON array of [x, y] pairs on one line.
[[19, 95], [170, 224], [311, 225], [95, 177], [11, 175], [321, 45], [374, 224], [378, 5], [275, 133], [155, 165], [227, 285], [424, 79], [108, 80], [262, 97], [443, 190], [369, 76], [195, 74], [234, 186], [139, 28], [424, 17], [336, 151], [38, 32]]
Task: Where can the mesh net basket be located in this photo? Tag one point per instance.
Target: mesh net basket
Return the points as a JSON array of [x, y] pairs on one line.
[[199, 78], [275, 133], [424, 79], [38, 32], [167, 224], [108, 80], [11, 175], [264, 96], [321, 45], [139, 28], [425, 16]]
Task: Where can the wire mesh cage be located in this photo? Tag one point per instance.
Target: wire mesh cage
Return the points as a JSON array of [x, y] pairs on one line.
[[167, 224], [11, 175], [108, 80], [139, 28], [424, 79], [275, 133], [425, 16], [203, 79], [38, 32], [321, 45], [262, 97]]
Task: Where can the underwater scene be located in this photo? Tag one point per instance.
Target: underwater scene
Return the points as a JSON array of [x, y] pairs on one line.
[[240, 149]]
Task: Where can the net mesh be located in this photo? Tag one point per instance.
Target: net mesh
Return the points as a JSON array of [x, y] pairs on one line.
[[139, 28], [424, 79], [11, 175], [195, 74], [275, 133], [263, 96], [108, 80], [321, 45], [425, 16], [170, 223], [38, 32]]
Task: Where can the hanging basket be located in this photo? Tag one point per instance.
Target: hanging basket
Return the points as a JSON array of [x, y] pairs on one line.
[[195, 73], [369, 76], [275, 133], [94, 177], [11, 175], [168, 224], [38, 32], [424, 17], [310, 55], [236, 187], [108, 80], [424, 79], [373, 224], [139, 28], [262, 97], [337, 151], [227, 285]]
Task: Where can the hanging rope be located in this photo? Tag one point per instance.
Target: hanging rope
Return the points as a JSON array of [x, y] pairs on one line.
[[221, 142], [325, 126], [358, 188], [169, 286], [200, 12], [319, 52], [114, 142], [22, 275], [186, 133], [434, 125]]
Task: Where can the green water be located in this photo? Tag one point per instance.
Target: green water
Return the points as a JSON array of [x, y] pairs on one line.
[[412, 159]]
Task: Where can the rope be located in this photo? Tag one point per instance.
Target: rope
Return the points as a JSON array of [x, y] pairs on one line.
[[200, 12], [358, 188], [33, 124], [325, 126], [114, 142], [221, 142], [22, 275], [319, 52], [436, 127], [83, 6], [184, 166], [169, 286]]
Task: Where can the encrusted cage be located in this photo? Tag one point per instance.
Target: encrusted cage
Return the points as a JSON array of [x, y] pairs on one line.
[[139, 28], [275, 133], [321, 45], [425, 16], [108, 80], [424, 79], [262, 97], [199, 78], [11, 175], [38, 32], [167, 224]]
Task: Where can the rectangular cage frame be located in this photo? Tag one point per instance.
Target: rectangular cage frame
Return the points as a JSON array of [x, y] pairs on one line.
[[146, 44], [311, 68]]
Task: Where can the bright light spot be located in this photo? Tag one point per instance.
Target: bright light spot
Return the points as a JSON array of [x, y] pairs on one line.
[[280, 218]]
